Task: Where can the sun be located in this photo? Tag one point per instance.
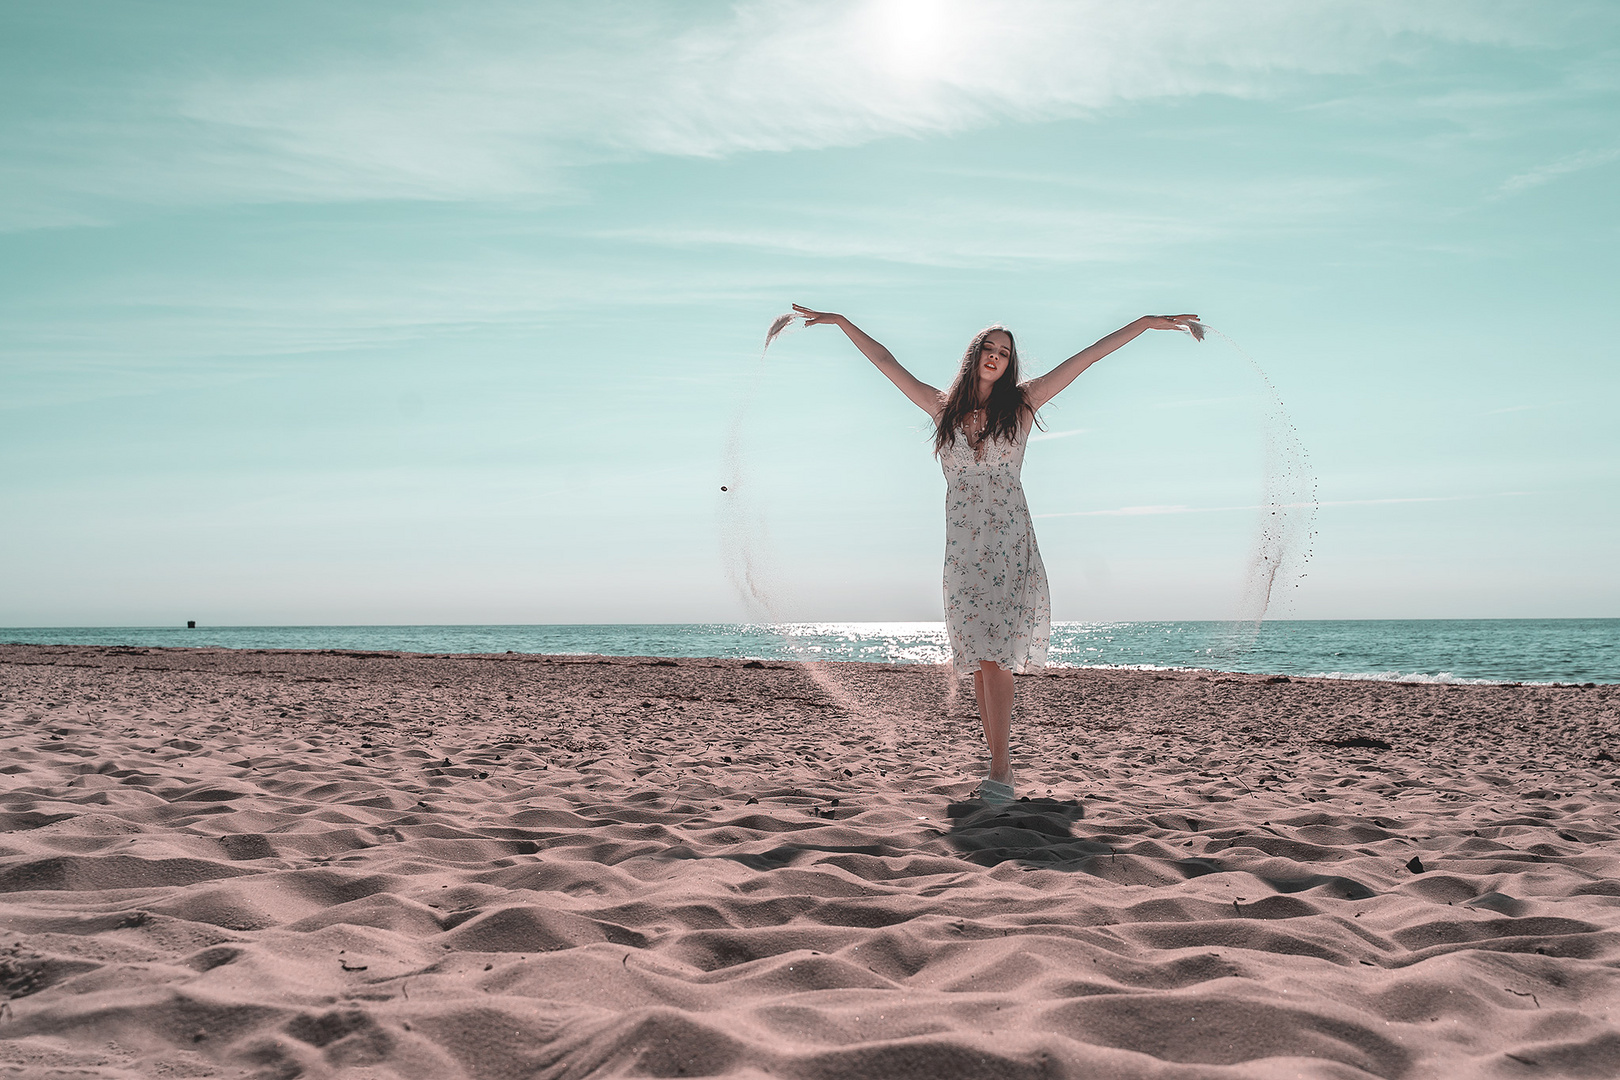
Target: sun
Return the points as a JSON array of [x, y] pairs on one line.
[[912, 37]]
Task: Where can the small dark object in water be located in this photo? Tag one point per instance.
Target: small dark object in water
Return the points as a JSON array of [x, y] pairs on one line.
[[723, 487], [191, 624], [1416, 865], [1366, 741], [1603, 755]]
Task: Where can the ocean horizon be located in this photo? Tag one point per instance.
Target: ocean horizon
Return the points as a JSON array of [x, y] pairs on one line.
[[1410, 650]]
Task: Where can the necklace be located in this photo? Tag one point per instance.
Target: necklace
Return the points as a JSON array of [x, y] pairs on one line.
[[974, 423]]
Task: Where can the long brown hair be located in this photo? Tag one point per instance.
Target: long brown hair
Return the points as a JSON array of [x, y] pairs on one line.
[[1003, 413]]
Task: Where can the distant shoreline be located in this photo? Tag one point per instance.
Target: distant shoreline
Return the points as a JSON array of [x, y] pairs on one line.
[[9, 650]]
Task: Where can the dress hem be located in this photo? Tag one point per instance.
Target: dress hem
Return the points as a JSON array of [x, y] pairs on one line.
[[961, 668]]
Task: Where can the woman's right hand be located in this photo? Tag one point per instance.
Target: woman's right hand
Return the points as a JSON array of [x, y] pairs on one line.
[[815, 318]]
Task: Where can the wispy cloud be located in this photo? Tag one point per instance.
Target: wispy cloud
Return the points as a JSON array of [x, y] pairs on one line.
[[1521, 408], [911, 233], [171, 327], [1546, 174], [1198, 403], [1150, 511], [499, 100], [1042, 436]]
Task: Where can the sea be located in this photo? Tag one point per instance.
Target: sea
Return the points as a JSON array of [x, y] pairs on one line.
[[1404, 650]]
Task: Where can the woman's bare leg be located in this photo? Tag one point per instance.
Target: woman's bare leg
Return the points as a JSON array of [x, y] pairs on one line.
[[993, 686]]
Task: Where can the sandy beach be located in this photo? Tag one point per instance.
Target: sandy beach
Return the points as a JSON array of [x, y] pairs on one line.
[[284, 864]]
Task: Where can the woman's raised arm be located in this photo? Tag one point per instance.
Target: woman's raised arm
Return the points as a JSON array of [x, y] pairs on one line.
[[922, 395], [1046, 387]]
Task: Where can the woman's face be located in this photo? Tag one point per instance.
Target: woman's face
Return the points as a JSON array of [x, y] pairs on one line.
[[995, 354]]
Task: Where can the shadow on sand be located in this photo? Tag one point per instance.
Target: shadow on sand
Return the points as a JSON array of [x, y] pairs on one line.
[[1035, 832]]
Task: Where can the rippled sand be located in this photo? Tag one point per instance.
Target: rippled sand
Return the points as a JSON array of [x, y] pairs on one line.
[[290, 864]]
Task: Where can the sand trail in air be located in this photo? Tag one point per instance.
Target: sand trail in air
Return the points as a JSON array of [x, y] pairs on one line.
[[348, 864], [1285, 528], [749, 555]]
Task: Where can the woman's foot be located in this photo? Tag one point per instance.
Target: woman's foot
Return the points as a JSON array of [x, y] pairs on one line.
[[996, 792]]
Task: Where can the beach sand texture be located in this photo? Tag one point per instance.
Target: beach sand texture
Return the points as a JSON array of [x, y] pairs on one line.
[[280, 864]]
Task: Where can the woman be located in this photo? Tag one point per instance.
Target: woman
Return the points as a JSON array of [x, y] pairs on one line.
[[997, 612]]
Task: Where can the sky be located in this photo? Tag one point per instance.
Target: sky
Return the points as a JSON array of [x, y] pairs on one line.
[[442, 313]]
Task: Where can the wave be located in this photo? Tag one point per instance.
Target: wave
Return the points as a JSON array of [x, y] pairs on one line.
[[1445, 678]]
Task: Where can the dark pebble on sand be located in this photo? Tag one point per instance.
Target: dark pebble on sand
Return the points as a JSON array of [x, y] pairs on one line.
[[1416, 865]]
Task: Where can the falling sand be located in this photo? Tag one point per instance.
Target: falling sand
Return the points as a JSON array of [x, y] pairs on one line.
[[745, 539], [1285, 532]]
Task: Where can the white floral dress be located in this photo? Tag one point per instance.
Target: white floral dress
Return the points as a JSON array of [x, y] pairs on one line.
[[996, 602]]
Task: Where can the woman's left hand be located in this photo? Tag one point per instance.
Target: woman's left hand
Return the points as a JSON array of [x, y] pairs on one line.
[[1184, 323]]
